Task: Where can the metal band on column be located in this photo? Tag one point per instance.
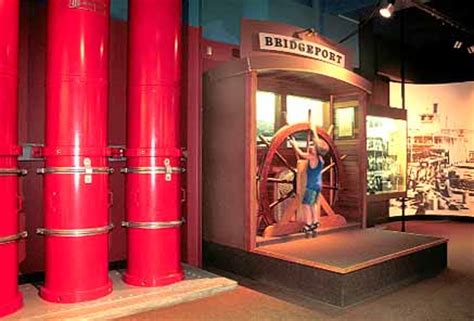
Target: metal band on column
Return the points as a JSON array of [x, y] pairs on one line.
[[153, 225], [150, 170], [167, 170], [13, 238], [74, 170], [75, 232], [13, 172]]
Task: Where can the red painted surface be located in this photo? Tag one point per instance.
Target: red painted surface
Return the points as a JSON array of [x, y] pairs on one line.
[[153, 137], [76, 268], [117, 132], [10, 297], [215, 53], [32, 97], [32, 102], [193, 136]]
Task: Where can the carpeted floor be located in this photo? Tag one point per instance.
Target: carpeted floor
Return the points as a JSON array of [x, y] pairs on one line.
[[449, 296], [349, 248]]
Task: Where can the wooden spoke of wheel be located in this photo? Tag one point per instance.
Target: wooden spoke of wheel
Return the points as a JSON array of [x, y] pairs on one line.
[[279, 181], [281, 199], [264, 219], [296, 154], [284, 161], [325, 205], [308, 134], [308, 139], [330, 129], [325, 169], [259, 171], [332, 192]]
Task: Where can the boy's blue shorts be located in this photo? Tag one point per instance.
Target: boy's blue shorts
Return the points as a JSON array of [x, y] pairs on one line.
[[310, 197]]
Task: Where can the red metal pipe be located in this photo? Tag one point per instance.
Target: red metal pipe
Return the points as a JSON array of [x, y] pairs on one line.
[[153, 182], [76, 195], [10, 297]]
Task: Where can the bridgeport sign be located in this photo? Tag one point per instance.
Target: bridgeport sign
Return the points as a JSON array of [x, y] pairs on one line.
[[291, 45]]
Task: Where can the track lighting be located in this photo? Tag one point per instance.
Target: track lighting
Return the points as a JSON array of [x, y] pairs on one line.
[[457, 44], [470, 49], [388, 10]]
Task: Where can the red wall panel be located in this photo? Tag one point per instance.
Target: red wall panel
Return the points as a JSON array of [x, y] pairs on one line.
[[32, 108]]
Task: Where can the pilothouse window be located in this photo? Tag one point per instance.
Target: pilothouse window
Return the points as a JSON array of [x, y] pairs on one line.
[[298, 110], [266, 109]]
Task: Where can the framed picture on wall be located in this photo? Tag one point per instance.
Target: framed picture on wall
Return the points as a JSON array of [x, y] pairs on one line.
[[344, 121]]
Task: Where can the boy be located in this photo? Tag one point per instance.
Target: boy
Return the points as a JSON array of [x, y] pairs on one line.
[[313, 183]]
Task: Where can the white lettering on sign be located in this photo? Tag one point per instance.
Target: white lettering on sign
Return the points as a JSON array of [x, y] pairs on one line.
[[273, 42]]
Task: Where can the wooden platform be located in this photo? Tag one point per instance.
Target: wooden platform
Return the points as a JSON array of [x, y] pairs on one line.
[[340, 268], [351, 250], [125, 300]]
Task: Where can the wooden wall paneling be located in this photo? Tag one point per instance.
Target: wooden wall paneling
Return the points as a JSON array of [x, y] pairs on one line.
[[224, 160], [363, 105], [250, 161], [215, 53], [349, 204]]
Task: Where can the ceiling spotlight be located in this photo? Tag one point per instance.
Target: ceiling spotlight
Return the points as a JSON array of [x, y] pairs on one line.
[[470, 49], [457, 44], [388, 10]]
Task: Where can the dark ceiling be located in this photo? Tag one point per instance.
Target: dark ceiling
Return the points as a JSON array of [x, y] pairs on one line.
[[428, 40], [428, 44]]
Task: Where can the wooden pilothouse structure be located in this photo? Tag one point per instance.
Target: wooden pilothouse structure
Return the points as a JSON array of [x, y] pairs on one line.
[[253, 180], [246, 173]]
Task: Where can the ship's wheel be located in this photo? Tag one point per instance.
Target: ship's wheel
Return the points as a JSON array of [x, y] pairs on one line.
[[280, 178]]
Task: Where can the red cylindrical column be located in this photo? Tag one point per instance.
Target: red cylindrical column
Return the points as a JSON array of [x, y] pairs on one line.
[[76, 196], [153, 183], [10, 296]]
